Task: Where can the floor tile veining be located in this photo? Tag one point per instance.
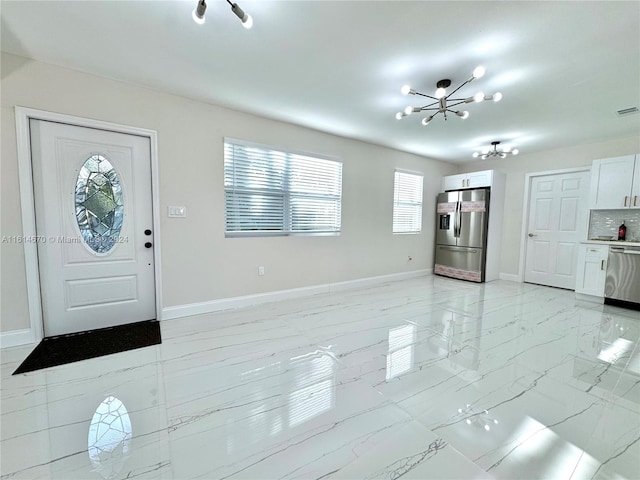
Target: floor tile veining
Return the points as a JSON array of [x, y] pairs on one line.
[[428, 378]]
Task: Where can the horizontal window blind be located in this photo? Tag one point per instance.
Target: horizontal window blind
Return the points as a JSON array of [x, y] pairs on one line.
[[407, 202], [270, 191]]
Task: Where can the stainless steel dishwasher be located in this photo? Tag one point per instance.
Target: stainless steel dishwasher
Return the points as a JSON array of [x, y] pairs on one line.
[[622, 286]]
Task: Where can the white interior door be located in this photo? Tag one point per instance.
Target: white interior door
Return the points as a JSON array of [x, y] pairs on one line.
[[93, 205], [557, 223]]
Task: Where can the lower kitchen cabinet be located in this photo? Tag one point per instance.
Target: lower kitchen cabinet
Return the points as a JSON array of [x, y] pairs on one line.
[[592, 269]]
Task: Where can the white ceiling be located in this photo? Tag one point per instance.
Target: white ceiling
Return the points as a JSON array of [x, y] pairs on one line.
[[564, 68]]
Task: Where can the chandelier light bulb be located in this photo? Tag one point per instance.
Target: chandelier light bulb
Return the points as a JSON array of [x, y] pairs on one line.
[[478, 97], [408, 110], [245, 18], [497, 97], [475, 154], [399, 115], [247, 22], [478, 72], [198, 12], [440, 92], [515, 151], [405, 89], [426, 120], [196, 18], [463, 114]]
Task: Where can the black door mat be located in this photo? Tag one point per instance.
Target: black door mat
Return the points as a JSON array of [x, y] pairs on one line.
[[63, 349]]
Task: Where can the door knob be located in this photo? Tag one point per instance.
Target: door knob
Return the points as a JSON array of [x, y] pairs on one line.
[[532, 235], [148, 245], [147, 232]]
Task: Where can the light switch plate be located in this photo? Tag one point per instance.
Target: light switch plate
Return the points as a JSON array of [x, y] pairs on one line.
[[177, 212]]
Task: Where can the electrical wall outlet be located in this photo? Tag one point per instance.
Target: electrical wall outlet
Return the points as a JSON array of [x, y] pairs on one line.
[[260, 271]]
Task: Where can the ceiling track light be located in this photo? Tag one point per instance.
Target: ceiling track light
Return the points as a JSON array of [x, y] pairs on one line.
[[488, 153], [201, 8], [443, 102]]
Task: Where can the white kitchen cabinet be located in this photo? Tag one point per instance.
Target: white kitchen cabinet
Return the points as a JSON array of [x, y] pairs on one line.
[[592, 269], [615, 183], [634, 199], [480, 179]]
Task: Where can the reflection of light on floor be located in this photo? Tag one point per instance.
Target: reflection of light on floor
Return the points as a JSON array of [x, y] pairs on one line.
[[480, 419], [533, 442], [400, 355], [310, 381], [634, 363], [313, 388], [110, 433], [614, 351], [308, 402]]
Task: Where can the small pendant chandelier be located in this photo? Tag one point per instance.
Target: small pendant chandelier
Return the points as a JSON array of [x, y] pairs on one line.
[[488, 153]]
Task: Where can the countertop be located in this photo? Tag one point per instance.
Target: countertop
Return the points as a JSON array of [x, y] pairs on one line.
[[615, 243]]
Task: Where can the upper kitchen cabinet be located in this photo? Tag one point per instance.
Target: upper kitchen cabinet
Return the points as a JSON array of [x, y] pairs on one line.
[[468, 180], [615, 183]]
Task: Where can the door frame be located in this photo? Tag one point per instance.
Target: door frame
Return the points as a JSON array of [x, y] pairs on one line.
[[27, 203], [525, 210]]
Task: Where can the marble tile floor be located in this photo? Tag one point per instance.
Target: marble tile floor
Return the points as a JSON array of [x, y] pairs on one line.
[[427, 378]]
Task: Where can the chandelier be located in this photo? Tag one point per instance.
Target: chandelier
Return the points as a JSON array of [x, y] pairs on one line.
[[443, 102], [487, 152], [201, 8]]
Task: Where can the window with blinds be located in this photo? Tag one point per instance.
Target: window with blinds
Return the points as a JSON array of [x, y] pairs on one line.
[[407, 202], [273, 192]]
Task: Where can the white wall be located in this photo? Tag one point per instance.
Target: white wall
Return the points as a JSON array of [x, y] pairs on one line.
[[516, 169], [198, 263]]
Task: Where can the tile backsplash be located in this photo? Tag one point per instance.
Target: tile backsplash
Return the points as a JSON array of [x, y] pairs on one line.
[[606, 222]]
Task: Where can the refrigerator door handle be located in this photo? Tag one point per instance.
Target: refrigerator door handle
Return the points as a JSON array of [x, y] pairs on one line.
[[456, 227], [459, 249]]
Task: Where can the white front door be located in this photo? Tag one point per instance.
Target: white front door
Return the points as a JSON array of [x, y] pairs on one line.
[[93, 205], [557, 223]]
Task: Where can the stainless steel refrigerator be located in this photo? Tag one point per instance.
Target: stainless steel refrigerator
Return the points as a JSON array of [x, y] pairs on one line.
[[461, 234]]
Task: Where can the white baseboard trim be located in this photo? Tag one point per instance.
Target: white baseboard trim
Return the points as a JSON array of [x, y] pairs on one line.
[[15, 338], [179, 311], [510, 277]]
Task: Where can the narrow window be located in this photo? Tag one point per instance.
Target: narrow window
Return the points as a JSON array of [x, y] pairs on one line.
[[407, 202]]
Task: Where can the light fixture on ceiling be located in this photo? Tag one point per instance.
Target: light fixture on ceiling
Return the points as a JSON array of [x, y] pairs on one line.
[[198, 12], [201, 8], [443, 101], [487, 152]]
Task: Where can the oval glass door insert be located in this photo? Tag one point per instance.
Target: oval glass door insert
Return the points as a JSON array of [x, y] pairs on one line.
[[99, 204]]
